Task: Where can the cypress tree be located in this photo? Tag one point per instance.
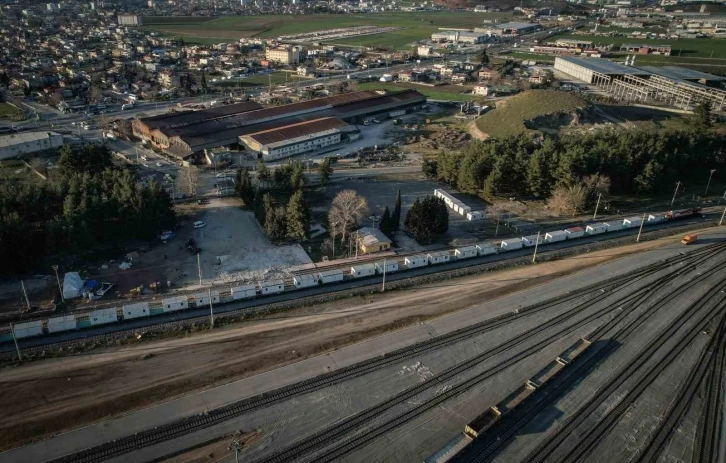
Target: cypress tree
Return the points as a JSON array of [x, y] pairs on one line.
[[396, 216]]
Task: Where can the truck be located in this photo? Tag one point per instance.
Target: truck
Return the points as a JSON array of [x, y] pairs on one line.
[[688, 239]]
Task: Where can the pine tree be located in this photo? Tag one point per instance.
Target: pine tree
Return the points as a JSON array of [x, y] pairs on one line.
[[386, 222], [244, 187], [298, 217], [325, 171], [428, 219], [203, 81], [275, 223], [258, 207], [396, 216], [263, 172], [297, 175]]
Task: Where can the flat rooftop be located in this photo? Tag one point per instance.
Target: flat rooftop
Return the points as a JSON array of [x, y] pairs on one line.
[[25, 137], [679, 73], [293, 131], [604, 66]]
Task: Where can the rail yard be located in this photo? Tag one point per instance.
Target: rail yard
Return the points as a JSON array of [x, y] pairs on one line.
[[621, 360]]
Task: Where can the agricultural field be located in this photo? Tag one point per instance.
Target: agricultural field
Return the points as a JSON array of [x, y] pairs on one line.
[[417, 26], [443, 92], [510, 115], [687, 48]]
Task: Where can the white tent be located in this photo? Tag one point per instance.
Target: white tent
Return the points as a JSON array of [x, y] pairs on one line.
[[72, 284]]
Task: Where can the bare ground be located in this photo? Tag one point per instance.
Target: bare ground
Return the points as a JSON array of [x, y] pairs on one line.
[[50, 396]]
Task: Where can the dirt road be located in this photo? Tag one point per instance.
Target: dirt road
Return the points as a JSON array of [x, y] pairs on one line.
[[47, 397]]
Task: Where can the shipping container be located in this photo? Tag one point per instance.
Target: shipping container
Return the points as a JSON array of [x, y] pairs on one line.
[[482, 422], [555, 236], [531, 240], [304, 281], [485, 249], [547, 372], [64, 323], [331, 276], [202, 299], [450, 450], [514, 243], [419, 260], [595, 229], [173, 304], [391, 266], [272, 287], [438, 257], [655, 218], [632, 222], [103, 316], [363, 270], [574, 232], [475, 215], [466, 252], [516, 397], [243, 292], [28, 329], [140, 309], [613, 226]]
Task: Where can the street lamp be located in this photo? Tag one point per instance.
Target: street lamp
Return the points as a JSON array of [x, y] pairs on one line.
[[55, 267], [709, 182]]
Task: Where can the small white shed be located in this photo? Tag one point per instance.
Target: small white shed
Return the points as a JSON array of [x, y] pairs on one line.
[[531, 240], [103, 316], [28, 329], [511, 244], [595, 229], [466, 252], [243, 292], [131, 311], [475, 215], [64, 323], [272, 287], [419, 260], [391, 266], [363, 270], [201, 299], [574, 232], [438, 257], [614, 226], [331, 276], [172, 304], [555, 236], [632, 222], [304, 281], [485, 249]]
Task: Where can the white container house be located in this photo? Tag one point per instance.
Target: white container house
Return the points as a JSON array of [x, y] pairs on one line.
[[103, 316], [28, 329], [243, 292], [138, 310], [438, 257], [595, 229], [466, 252], [391, 266], [173, 304], [554, 236], [419, 260], [485, 249], [331, 276], [363, 270], [574, 232], [531, 240], [514, 243], [64, 323], [272, 287], [632, 222], [304, 281]]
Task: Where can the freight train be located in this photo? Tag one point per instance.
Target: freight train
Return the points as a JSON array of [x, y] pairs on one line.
[[69, 322]]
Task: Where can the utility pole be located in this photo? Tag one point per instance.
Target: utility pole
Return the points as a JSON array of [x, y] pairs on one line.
[[383, 288], [536, 244], [25, 293], [709, 182], [594, 216], [642, 222], [199, 268], [211, 309], [60, 288], [496, 232], [678, 184], [17, 349], [722, 215]]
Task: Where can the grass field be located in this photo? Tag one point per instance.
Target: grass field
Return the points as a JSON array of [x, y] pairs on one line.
[[534, 57], [687, 48], [509, 116], [417, 26], [629, 30], [7, 110], [444, 92]]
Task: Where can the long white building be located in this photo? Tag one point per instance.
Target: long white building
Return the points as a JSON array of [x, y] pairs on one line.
[[14, 145]]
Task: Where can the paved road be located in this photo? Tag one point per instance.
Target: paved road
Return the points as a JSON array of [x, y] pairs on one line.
[[216, 397]]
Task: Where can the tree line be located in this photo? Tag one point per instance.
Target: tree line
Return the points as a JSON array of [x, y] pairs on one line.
[[87, 206], [633, 161]]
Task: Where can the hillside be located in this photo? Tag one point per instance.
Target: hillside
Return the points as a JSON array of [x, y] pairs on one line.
[[529, 110]]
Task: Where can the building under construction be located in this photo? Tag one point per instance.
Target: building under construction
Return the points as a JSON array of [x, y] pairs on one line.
[[674, 86]]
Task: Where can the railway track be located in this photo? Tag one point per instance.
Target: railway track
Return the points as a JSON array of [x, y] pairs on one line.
[[183, 427], [355, 422], [588, 439]]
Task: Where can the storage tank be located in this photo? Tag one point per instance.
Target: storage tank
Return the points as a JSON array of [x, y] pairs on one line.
[[272, 287], [574, 232], [363, 270], [438, 257], [419, 260], [391, 266], [304, 281], [555, 236], [466, 252], [595, 229], [512, 244], [330, 276]]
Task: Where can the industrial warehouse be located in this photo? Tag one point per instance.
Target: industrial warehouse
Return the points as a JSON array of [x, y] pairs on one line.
[[675, 86], [273, 132]]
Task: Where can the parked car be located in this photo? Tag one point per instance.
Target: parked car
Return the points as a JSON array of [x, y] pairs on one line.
[[199, 224]]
